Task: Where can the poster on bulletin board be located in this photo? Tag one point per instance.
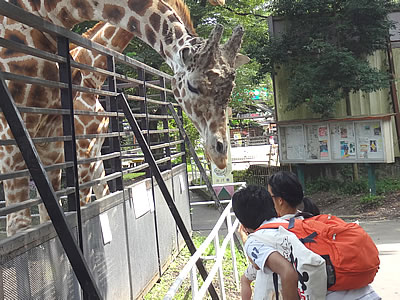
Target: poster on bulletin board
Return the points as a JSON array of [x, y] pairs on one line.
[[370, 141], [295, 142], [317, 141]]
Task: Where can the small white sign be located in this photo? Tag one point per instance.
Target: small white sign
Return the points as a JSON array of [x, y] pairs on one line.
[[140, 200], [182, 183], [151, 201], [105, 228]]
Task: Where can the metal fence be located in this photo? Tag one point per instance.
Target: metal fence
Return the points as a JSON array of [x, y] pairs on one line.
[[129, 236], [219, 231]]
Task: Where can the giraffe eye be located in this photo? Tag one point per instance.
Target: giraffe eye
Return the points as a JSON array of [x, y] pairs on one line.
[[192, 89]]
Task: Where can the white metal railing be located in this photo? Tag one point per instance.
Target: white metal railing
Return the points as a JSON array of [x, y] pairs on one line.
[[190, 267]]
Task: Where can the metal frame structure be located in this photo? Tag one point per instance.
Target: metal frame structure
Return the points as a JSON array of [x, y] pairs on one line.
[[136, 145]]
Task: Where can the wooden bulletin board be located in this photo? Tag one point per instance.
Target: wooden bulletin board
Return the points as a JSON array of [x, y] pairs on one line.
[[337, 141]]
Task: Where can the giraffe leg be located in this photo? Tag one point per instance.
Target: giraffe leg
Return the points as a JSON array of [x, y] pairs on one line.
[[16, 191], [55, 179], [101, 189]]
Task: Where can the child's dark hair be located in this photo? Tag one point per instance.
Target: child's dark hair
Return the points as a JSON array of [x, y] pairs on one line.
[[253, 205], [287, 186]]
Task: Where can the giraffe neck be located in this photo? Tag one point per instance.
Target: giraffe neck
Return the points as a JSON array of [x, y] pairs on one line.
[[155, 22]]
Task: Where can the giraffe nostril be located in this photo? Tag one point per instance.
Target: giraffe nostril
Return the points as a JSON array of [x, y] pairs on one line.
[[220, 147]]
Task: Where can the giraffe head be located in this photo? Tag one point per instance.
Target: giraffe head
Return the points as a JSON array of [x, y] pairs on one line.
[[202, 84]]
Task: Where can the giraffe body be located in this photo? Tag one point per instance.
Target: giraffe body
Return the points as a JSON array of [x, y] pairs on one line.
[[203, 80]]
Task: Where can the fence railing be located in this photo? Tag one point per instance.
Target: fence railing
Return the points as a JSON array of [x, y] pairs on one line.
[[190, 267]]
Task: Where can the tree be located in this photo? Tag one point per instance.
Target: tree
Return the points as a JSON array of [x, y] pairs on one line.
[[324, 49]]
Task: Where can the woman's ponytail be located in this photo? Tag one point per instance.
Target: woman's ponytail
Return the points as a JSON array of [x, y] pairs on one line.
[[310, 207]]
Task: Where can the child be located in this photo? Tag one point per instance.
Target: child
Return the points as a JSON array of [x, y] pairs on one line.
[[253, 206]]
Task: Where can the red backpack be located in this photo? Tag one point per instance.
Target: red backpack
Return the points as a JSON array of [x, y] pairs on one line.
[[352, 258]]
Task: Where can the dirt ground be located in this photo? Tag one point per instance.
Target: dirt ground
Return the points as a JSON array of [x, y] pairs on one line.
[[350, 207]]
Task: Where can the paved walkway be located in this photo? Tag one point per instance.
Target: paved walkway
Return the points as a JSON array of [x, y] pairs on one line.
[[386, 235]]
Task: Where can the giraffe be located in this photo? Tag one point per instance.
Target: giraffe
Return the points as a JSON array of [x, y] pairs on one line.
[[116, 39], [203, 80]]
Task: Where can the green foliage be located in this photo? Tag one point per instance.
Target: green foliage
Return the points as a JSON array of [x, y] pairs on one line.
[[321, 184], [369, 201], [354, 187], [387, 185], [324, 49], [347, 187]]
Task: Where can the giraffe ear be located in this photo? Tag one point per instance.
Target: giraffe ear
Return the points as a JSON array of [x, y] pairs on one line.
[[241, 60]]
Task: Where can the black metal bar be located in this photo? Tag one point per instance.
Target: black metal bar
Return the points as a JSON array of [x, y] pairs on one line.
[[164, 189], [167, 139], [115, 146], [69, 129], [196, 159], [46, 192]]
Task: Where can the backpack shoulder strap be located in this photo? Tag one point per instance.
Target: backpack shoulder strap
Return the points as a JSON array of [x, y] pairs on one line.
[[273, 226], [289, 225]]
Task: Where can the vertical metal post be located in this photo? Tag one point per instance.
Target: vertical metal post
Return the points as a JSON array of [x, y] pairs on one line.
[[233, 253], [371, 179], [220, 270], [300, 175], [69, 130], [115, 146], [193, 282], [164, 111]]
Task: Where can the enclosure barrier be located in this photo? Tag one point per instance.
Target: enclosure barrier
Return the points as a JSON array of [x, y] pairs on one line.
[[190, 267], [126, 243]]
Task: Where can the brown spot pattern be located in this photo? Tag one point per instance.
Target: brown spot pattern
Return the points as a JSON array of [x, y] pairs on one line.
[[109, 31], [155, 21], [35, 4], [172, 18], [113, 13], [28, 67], [17, 90], [50, 71], [176, 93], [162, 8], [66, 18], [51, 4], [178, 32], [122, 39], [36, 96], [150, 35], [139, 6], [85, 10], [41, 41], [134, 26]]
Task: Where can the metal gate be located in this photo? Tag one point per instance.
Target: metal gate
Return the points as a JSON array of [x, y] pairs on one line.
[[127, 237]]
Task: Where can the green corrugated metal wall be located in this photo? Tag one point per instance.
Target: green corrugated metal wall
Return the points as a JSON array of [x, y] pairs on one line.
[[362, 104]]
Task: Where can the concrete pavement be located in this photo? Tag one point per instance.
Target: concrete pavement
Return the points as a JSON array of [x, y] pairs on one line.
[[386, 235]]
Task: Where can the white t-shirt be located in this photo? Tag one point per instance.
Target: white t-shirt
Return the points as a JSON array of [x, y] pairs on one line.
[[260, 252]]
